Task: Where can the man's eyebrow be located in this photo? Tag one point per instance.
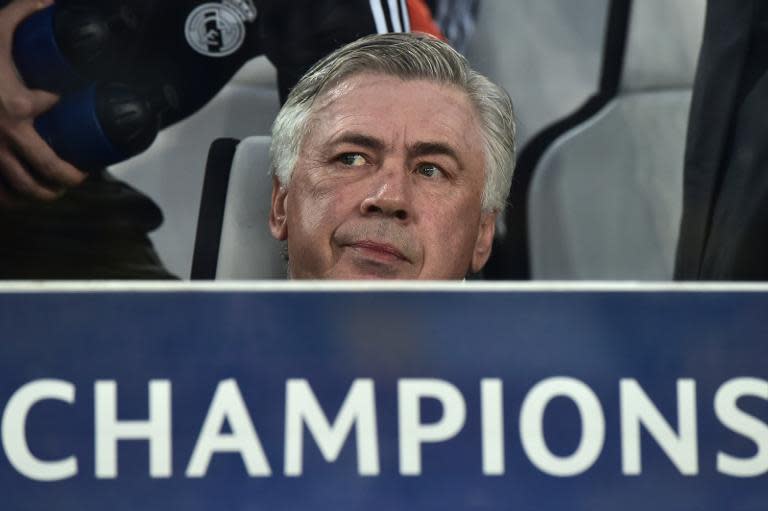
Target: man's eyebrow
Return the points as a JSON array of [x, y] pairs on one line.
[[434, 148], [361, 140]]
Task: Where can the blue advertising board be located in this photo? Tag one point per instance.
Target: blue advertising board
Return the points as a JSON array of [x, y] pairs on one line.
[[416, 397]]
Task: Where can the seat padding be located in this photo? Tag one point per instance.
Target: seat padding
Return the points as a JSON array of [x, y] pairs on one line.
[[605, 200], [247, 249]]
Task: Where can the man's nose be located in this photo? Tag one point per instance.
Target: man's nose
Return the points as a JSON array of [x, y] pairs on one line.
[[389, 195]]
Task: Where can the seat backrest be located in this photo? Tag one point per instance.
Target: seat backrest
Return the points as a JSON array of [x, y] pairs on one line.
[[546, 54], [234, 241], [247, 249], [605, 199]]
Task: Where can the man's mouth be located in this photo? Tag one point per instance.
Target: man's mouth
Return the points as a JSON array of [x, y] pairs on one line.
[[383, 252]]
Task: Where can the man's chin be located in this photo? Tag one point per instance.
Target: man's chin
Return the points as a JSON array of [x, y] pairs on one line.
[[361, 264], [358, 270], [370, 271]]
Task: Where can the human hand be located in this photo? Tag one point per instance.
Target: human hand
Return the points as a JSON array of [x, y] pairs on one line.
[[29, 168]]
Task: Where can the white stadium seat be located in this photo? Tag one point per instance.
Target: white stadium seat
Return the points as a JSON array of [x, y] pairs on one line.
[[233, 238], [605, 200]]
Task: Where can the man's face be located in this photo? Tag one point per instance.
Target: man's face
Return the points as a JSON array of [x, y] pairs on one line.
[[388, 184]]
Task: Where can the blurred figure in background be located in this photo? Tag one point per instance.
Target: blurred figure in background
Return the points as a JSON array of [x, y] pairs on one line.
[[456, 19], [59, 221], [724, 229]]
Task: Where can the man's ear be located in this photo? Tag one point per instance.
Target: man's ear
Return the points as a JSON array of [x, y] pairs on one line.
[[278, 215], [484, 241]]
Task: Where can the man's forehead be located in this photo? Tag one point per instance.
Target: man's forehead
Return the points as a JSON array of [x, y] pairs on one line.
[[372, 102]]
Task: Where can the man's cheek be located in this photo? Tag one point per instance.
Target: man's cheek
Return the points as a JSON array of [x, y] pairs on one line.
[[325, 183], [335, 196], [318, 213], [452, 195], [315, 188], [450, 226], [439, 220]]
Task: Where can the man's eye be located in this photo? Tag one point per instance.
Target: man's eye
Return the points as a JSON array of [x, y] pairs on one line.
[[352, 159], [428, 170]]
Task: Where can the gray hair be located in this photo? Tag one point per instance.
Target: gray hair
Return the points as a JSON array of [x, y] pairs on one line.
[[409, 57]]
